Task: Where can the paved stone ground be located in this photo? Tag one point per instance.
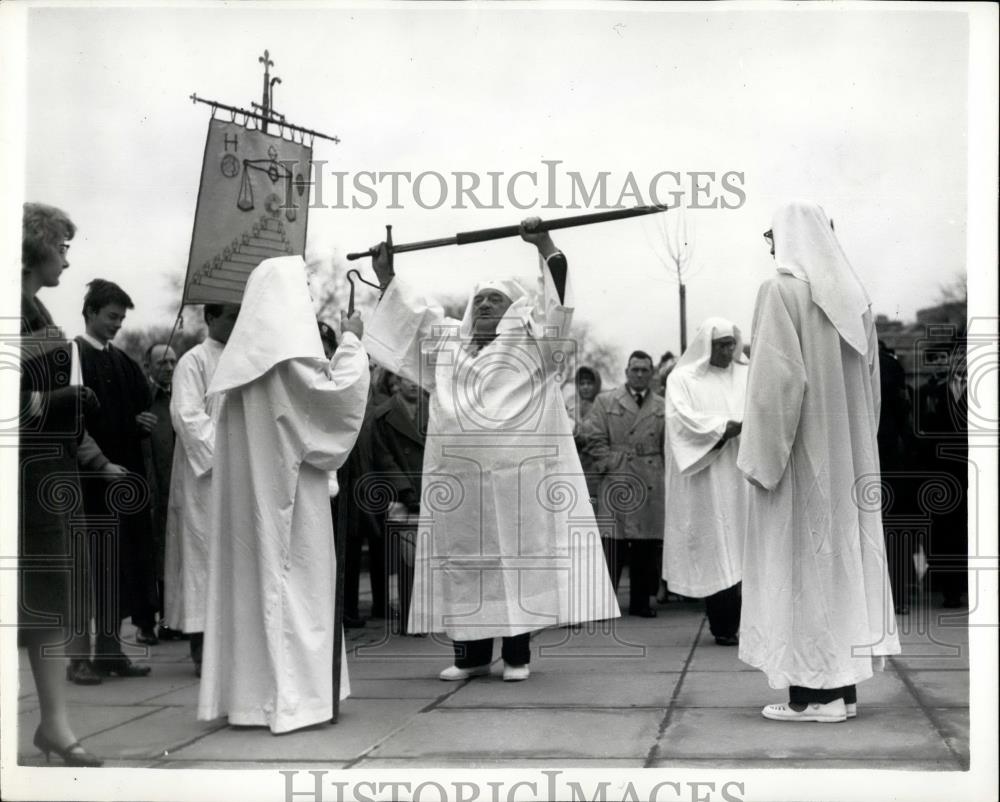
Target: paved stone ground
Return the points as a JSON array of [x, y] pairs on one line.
[[638, 693]]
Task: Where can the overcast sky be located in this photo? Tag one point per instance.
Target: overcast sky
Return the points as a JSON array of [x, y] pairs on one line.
[[862, 110]]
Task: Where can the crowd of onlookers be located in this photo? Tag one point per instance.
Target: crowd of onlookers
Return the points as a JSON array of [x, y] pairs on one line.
[[97, 421]]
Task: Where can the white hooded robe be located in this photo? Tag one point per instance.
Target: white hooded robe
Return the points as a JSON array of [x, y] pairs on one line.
[[287, 418], [192, 414], [507, 540], [705, 521], [817, 606]]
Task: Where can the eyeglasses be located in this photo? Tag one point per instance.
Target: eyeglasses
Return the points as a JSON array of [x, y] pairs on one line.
[[63, 248], [769, 236]]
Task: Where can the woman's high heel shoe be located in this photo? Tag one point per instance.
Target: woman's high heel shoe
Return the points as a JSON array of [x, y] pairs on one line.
[[72, 755]]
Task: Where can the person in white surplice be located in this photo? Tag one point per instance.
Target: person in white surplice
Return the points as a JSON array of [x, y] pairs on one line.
[[817, 607], [508, 543], [192, 414], [705, 522], [288, 416]]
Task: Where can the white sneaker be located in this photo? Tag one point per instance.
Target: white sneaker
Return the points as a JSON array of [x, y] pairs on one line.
[[455, 674], [515, 673], [852, 709], [830, 712]]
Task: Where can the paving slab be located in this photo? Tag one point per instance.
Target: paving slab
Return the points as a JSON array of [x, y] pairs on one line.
[[712, 657], [87, 720], [954, 724], [257, 765], [185, 696], [500, 763], [941, 688], [362, 722], [742, 733], [815, 762], [428, 689], [589, 690], [154, 736], [743, 689], [547, 735], [621, 638], [926, 662], [652, 659]]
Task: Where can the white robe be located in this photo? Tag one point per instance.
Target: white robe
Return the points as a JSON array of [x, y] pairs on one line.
[[816, 600], [189, 508], [269, 631], [705, 522], [507, 541]]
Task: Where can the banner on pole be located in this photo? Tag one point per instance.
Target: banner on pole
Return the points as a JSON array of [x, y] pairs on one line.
[[253, 204]]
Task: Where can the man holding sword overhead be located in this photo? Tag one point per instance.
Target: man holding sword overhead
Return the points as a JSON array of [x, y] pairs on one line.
[[508, 541]]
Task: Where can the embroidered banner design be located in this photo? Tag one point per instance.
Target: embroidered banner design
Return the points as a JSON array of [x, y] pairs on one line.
[[253, 205]]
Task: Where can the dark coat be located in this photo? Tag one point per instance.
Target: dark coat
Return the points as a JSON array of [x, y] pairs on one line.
[[399, 448], [123, 506], [625, 443], [50, 496]]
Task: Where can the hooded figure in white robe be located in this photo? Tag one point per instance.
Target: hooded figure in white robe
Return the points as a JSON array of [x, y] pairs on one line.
[[817, 607], [705, 522], [508, 542], [192, 414], [287, 418]]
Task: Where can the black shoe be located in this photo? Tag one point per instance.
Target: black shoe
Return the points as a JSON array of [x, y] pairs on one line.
[[80, 672], [728, 640], [166, 633], [72, 755], [147, 636], [353, 622], [649, 612], [121, 667]]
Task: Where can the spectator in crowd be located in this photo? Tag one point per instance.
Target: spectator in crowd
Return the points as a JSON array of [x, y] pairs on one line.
[[269, 619], [364, 513], [894, 428], [587, 386], [944, 459], [502, 559], [706, 516], [120, 520], [666, 364], [398, 435], [159, 363], [193, 416], [817, 612], [50, 427], [624, 436]]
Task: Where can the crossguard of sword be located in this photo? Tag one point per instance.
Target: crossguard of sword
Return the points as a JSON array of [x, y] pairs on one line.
[[372, 252]]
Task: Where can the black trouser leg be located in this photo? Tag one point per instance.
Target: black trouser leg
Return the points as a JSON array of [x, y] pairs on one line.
[[352, 574], [473, 653], [614, 556], [802, 696], [107, 596], [642, 573], [197, 641], [378, 569], [723, 610], [517, 649]]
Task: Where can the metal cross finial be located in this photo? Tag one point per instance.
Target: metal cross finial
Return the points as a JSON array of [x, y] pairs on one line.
[[265, 101]]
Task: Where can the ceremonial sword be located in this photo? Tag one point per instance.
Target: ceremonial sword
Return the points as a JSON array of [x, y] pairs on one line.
[[487, 234]]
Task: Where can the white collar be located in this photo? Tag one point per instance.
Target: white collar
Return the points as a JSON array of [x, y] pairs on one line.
[[95, 342]]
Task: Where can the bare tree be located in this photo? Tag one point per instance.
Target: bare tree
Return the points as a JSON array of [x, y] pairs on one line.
[[676, 238]]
